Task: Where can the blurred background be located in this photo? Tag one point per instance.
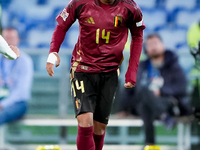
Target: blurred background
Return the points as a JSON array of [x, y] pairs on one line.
[[35, 21]]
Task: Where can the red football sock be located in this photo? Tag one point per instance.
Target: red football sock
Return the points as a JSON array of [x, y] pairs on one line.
[[85, 139], [99, 141]]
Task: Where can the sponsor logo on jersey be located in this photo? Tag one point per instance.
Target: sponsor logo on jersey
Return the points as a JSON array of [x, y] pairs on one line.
[[90, 20], [117, 21], [64, 14]]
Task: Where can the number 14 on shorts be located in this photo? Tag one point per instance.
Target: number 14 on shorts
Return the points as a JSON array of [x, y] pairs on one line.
[[76, 86]]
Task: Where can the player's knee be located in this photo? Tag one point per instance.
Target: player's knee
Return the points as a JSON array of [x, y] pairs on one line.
[[99, 128], [85, 120]]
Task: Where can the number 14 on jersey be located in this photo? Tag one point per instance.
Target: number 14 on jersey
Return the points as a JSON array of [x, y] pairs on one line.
[[104, 35]]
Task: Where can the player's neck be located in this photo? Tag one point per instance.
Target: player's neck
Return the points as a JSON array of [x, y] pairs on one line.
[[107, 2]]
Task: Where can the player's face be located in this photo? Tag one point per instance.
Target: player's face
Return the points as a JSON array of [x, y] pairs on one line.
[[154, 47], [11, 36]]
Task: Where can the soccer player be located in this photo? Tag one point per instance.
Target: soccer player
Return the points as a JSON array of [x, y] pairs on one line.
[[95, 59], [11, 52]]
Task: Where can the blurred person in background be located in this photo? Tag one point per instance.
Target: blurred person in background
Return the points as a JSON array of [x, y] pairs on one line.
[[193, 39], [96, 57], [15, 81], [160, 92]]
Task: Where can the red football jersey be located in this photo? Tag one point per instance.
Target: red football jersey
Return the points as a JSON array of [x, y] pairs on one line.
[[103, 35]]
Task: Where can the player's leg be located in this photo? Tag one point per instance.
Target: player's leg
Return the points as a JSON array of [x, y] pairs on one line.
[[85, 139], [99, 134], [84, 96], [107, 89], [85, 119]]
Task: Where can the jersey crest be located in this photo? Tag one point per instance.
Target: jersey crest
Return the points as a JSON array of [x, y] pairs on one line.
[[117, 21]]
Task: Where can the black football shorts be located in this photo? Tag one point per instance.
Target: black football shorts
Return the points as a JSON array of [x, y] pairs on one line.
[[94, 92]]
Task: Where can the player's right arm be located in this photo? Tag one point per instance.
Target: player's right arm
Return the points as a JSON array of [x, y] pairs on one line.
[[11, 52], [65, 19]]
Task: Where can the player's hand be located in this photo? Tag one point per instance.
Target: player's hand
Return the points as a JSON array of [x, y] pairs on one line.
[[16, 50], [49, 66], [129, 85]]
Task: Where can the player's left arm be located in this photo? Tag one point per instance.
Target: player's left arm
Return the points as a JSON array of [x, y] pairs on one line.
[[136, 27]]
